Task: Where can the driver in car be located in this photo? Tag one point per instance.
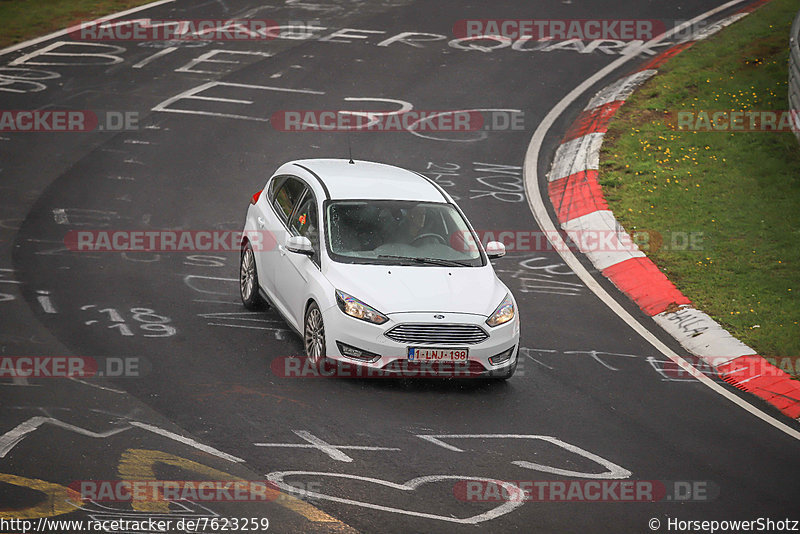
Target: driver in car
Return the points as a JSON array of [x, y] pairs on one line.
[[412, 227]]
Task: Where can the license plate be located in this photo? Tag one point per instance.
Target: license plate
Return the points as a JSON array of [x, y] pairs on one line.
[[437, 355]]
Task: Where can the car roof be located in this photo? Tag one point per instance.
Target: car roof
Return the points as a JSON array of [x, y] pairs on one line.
[[367, 180]]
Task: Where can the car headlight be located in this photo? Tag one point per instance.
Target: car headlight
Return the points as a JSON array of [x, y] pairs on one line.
[[355, 308], [503, 313]]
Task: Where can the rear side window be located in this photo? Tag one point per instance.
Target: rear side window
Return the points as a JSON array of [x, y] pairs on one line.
[[287, 196]]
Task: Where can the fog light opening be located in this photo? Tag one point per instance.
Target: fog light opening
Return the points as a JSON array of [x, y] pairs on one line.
[[503, 357], [354, 353]]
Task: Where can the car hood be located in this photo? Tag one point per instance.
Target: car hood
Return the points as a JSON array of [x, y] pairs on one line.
[[400, 288]]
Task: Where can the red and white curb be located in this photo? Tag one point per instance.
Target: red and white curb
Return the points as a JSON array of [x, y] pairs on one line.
[[579, 204]]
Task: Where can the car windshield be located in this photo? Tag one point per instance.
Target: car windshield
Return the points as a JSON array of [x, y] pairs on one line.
[[400, 233]]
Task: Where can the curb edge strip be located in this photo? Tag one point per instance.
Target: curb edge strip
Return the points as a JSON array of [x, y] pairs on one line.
[[578, 200]]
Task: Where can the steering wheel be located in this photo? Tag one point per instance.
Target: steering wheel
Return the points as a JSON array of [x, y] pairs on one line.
[[423, 236]]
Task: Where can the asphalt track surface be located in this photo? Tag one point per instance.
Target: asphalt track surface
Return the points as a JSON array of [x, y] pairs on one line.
[[585, 378]]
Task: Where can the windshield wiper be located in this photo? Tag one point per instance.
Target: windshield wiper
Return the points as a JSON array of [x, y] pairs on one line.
[[429, 261]]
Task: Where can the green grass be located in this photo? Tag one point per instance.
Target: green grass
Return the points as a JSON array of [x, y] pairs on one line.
[[741, 190], [24, 19]]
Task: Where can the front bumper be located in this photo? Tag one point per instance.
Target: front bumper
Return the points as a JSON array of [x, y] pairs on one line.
[[392, 356]]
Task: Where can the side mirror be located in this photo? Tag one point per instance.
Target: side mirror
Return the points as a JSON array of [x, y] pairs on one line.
[[299, 245], [495, 249]]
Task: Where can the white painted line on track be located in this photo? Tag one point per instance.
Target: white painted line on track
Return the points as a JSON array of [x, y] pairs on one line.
[[11, 439], [193, 94], [65, 31], [157, 55], [187, 441], [613, 472], [278, 477], [97, 386], [334, 451], [536, 203], [45, 302]]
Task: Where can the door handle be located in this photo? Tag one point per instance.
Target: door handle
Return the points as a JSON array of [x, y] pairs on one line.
[[261, 222]]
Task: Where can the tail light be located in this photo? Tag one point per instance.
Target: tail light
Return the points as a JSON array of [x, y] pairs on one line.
[[254, 199]]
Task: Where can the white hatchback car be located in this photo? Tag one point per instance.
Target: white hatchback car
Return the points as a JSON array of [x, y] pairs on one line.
[[377, 266]]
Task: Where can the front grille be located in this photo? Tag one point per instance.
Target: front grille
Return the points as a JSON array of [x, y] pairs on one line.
[[413, 369], [437, 334]]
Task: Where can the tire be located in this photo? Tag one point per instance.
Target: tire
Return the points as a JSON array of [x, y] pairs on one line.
[[314, 335], [248, 279]]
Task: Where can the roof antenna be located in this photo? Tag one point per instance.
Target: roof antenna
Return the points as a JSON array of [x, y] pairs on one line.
[[350, 150]]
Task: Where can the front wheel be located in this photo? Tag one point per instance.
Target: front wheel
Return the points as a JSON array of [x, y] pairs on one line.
[[314, 335], [248, 279]]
